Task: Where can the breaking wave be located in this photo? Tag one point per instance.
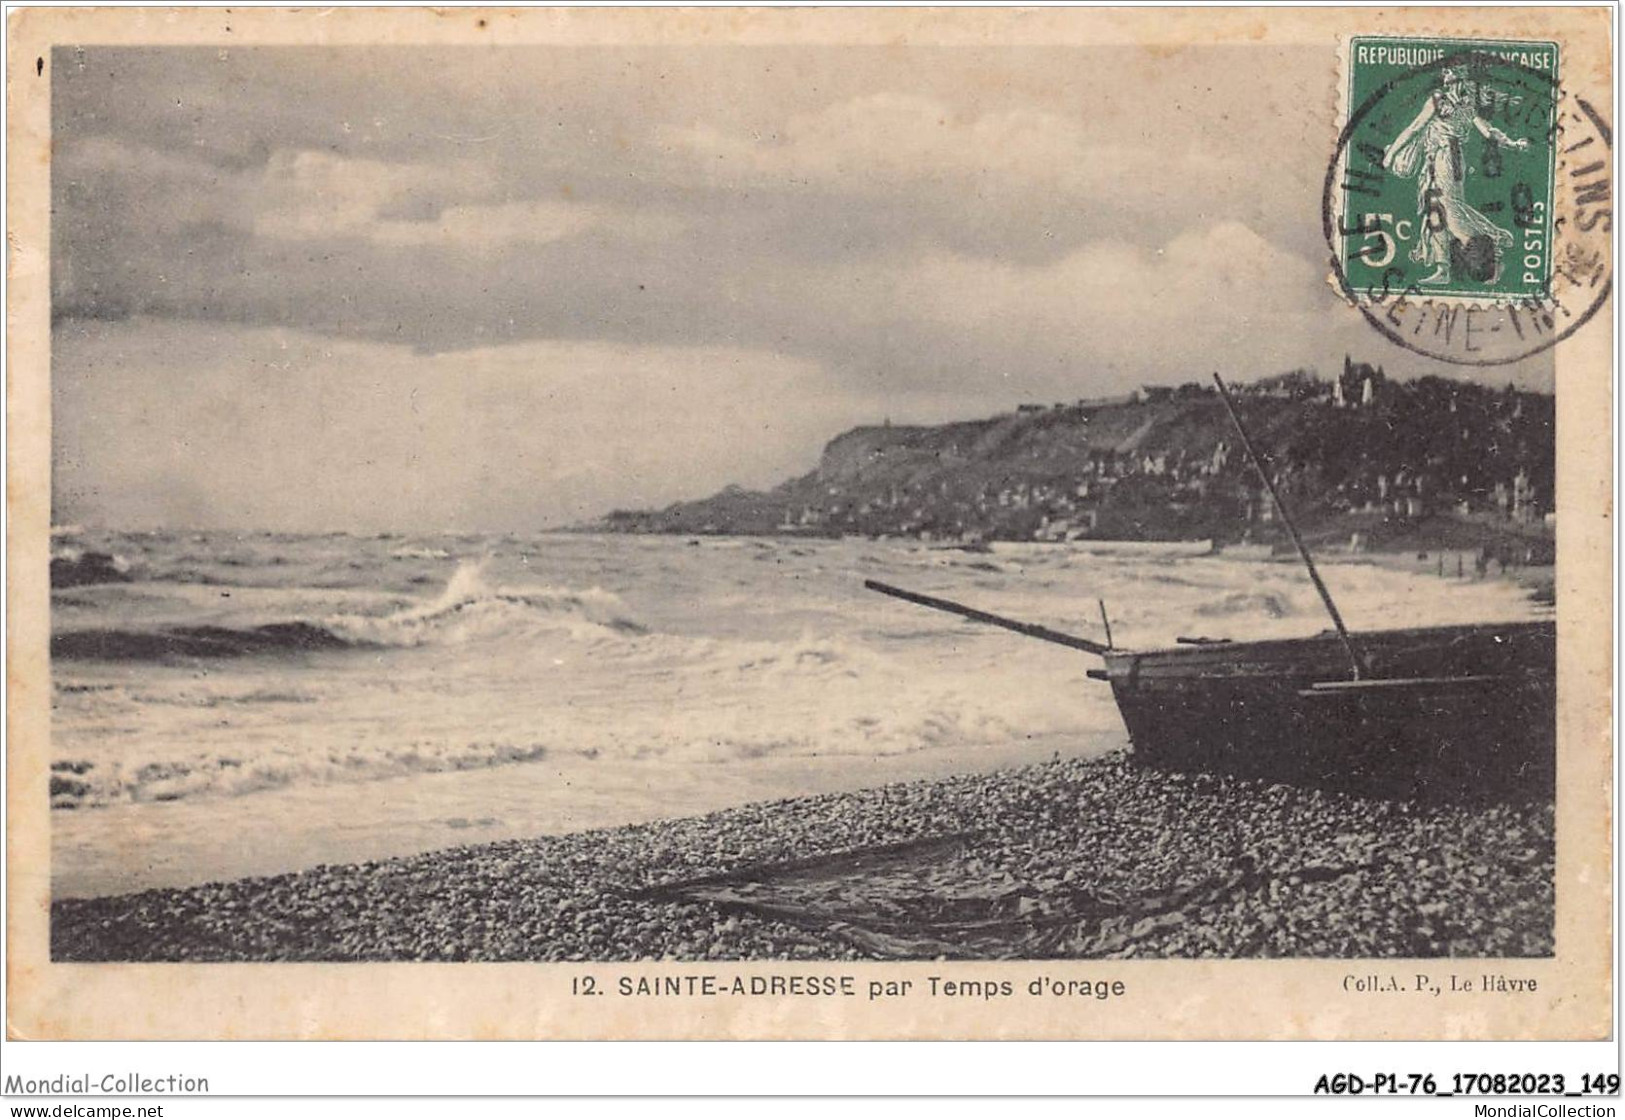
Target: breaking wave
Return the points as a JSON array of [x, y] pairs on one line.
[[77, 567], [1267, 603], [469, 609], [82, 784], [466, 610]]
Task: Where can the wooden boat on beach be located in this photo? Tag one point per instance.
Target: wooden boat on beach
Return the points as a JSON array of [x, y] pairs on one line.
[[1454, 709], [1442, 711], [1446, 711]]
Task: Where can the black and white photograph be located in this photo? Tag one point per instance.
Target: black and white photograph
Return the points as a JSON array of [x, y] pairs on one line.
[[667, 503]]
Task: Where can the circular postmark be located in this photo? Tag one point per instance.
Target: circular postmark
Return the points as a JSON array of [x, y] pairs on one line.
[[1468, 203]]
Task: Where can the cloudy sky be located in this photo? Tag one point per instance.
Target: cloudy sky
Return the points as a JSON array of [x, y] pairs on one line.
[[502, 288]]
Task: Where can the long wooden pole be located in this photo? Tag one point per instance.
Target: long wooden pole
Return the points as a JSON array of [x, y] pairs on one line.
[[1043, 633], [1286, 519]]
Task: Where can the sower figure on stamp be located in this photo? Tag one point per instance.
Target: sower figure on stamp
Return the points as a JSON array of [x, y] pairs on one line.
[[1431, 149]]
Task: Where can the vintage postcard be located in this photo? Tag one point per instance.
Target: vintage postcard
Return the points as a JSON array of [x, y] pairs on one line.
[[810, 524]]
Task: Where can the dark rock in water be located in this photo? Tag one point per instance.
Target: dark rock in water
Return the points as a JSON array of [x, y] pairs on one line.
[[87, 568]]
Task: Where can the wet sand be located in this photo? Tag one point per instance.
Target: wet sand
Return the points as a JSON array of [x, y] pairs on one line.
[[1085, 859]]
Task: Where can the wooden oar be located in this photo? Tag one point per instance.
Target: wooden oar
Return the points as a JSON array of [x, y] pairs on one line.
[[1043, 633]]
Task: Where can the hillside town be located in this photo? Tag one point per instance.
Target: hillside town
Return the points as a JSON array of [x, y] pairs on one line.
[[1366, 460]]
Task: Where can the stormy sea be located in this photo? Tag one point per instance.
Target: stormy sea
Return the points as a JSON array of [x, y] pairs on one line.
[[234, 704]]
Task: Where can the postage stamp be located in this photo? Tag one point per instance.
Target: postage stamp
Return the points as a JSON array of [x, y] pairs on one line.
[[1448, 171], [1446, 196]]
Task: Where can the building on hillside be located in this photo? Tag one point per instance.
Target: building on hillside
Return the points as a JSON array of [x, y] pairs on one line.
[[1359, 384], [1524, 505], [1257, 506]]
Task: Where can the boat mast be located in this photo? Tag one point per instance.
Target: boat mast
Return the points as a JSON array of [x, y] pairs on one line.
[[1286, 519]]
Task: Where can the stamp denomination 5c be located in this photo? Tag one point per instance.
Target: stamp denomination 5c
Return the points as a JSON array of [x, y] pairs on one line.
[[1447, 177], [1462, 220]]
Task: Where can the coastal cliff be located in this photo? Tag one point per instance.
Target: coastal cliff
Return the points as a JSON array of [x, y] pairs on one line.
[[1434, 461]]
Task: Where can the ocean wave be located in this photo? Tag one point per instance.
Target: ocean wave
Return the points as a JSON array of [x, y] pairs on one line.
[[193, 641], [86, 785], [207, 697], [467, 610], [188, 575], [1248, 603], [74, 567], [211, 569], [927, 722]]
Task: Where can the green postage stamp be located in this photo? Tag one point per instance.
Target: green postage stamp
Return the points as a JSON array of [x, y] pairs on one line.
[[1444, 182]]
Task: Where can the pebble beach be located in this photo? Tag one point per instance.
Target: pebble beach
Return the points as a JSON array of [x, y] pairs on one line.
[[1085, 859]]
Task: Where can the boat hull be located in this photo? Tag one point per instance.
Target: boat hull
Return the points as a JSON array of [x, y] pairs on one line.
[[1446, 711]]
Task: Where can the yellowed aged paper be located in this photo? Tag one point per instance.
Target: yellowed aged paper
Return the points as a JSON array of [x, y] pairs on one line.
[[325, 324]]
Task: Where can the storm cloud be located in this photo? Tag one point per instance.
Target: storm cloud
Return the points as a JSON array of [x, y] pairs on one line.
[[507, 286]]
